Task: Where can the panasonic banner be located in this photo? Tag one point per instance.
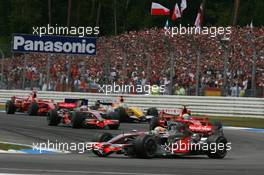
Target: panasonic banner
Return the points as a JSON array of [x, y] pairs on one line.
[[54, 44]]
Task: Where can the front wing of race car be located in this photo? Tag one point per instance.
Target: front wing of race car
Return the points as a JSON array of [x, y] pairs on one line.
[[103, 149], [101, 123]]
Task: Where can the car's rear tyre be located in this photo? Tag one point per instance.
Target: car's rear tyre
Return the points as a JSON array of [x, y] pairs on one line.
[[76, 120], [153, 112], [10, 107], [53, 118], [130, 150], [154, 122], [102, 137], [214, 144], [112, 116], [114, 127], [94, 107], [218, 128], [145, 146], [123, 117], [33, 109], [217, 125]]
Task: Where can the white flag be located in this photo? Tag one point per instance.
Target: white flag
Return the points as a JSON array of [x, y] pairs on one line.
[[183, 5], [176, 12], [198, 21]]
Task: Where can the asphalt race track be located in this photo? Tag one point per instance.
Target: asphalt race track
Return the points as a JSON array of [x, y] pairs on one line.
[[246, 156]]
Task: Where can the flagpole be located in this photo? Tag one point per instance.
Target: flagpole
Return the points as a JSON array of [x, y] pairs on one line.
[[198, 66], [203, 11], [236, 11], [115, 16], [224, 43]]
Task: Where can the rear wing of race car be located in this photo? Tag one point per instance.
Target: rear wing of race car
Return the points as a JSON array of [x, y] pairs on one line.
[[82, 101], [107, 103]]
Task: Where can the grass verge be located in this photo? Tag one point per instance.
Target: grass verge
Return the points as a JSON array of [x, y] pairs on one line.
[[240, 121], [6, 147]]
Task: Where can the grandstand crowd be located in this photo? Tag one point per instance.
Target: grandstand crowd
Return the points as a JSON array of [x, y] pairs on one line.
[[147, 57]]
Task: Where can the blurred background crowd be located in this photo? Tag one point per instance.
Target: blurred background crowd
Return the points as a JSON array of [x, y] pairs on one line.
[[185, 64]]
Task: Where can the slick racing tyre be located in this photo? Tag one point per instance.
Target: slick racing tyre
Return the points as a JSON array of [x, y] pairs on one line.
[[112, 116], [53, 118], [123, 117], [153, 112], [217, 151], [102, 137], [145, 146], [154, 122], [130, 150], [10, 107], [218, 125], [33, 109], [113, 127], [76, 120]]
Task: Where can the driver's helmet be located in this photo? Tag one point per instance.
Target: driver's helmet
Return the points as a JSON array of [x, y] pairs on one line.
[[159, 129], [97, 103], [186, 116], [79, 103], [176, 127], [184, 110], [83, 108], [121, 99], [34, 93]]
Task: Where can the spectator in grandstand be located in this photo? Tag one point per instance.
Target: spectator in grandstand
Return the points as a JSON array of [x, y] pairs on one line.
[[145, 58], [235, 90]]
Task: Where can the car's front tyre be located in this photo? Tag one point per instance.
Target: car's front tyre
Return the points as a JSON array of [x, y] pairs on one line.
[[114, 127], [217, 147], [145, 146], [33, 109], [76, 120], [10, 107], [102, 137], [53, 119]]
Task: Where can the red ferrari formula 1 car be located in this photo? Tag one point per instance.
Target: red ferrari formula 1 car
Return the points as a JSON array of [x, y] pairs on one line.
[[31, 105], [176, 140], [75, 113], [195, 124]]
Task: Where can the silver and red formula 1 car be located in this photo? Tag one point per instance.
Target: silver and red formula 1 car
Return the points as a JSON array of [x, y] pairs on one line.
[[175, 140], [75, 113]]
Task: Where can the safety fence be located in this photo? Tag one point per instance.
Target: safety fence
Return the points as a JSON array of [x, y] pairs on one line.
[[199, 105]]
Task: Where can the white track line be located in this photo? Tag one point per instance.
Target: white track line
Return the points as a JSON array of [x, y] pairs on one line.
[[77, 172]]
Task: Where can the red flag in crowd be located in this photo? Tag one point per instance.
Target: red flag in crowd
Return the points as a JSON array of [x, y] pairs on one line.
[[157, 9], [176, 12], [199, 18]]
